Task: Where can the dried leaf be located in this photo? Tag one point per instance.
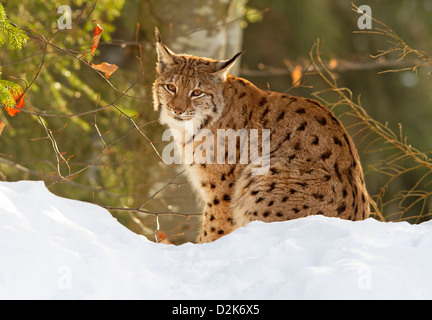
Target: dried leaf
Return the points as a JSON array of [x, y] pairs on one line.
[[96, 37], [162, 237], [16, 92], [106, 68], [296, 75], [333, 63], [2, 125]]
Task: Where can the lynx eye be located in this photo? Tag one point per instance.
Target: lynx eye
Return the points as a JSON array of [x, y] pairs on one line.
[[171, 87], [196, 92]]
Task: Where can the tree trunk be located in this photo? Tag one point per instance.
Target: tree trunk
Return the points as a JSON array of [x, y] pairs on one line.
[[202, 28]]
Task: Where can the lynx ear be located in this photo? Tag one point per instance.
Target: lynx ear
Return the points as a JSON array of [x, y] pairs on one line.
[[165, 55], [223, 66]]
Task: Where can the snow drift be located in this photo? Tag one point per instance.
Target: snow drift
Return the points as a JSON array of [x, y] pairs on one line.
[[56, 248]]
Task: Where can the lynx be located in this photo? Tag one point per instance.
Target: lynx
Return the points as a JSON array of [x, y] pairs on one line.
[[314, 167]]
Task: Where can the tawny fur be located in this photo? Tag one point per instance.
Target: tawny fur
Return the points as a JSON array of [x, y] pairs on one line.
[[314, 166]]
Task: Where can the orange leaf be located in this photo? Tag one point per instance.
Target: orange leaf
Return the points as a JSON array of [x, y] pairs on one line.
[[162, 237], [96, 37], [2, 125], [296, 75], [333, 64], [107, 68], [18, 100]]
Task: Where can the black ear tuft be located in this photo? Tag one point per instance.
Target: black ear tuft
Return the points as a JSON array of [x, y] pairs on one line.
[[164, 55], [223, 66], [235, 57], [158, 36]]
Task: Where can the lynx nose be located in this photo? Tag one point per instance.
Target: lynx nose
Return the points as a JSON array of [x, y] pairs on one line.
[[178, 111]]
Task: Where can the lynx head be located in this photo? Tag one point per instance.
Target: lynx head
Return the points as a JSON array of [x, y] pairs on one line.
[[188, 87]]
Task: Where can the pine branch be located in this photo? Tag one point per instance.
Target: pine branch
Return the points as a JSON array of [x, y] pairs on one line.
[[399, 46], [17, 37], [8, 90]]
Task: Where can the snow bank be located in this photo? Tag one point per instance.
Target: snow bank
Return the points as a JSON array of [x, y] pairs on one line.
[[55, 248]]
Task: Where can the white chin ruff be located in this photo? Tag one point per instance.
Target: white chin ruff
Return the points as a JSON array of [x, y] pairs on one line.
[[190, 122]]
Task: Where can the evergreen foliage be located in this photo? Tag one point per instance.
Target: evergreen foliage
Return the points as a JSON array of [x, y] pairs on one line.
[[17, 38]]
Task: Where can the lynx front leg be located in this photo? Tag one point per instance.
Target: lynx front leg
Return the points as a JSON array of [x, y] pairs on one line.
[[217, 219]]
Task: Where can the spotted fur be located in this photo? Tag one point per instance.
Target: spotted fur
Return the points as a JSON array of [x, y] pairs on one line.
[[314, 165]]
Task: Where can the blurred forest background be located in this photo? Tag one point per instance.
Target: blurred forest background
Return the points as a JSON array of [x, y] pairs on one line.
[[97, 139]]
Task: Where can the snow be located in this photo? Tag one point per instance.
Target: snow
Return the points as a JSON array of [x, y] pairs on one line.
[[56, 248]]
